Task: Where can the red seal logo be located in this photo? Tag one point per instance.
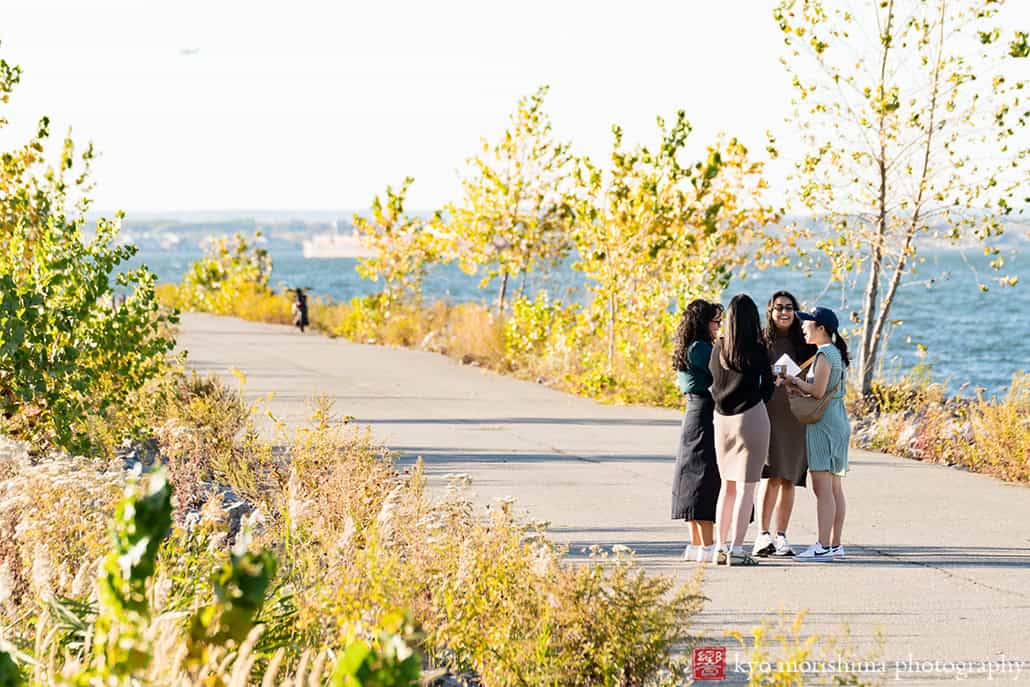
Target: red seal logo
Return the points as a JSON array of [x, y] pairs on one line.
[[710, 663]]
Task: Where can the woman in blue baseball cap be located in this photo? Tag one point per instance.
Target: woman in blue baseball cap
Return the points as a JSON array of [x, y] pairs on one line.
[[826, 440]]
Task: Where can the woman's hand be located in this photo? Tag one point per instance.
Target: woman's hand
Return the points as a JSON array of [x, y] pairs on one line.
[[793, 385]]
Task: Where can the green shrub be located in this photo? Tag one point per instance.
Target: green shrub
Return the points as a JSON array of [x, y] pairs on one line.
[[532, 329], [70, 357]]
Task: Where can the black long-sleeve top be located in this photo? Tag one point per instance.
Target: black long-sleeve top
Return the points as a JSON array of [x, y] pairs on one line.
[[735, 392]]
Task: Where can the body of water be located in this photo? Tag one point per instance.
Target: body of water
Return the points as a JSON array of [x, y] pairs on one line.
[[971, 339]]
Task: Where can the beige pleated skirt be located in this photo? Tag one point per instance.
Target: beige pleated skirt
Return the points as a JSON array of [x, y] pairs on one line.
[[742, 443]]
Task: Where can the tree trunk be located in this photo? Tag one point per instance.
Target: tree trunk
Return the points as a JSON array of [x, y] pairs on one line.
[[913, 227], [867, 352], [888, 301], [611, 333], [522, 286], [500, 297]]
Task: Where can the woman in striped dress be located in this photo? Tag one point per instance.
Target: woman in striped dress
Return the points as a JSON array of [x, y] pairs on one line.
[[826, 440]]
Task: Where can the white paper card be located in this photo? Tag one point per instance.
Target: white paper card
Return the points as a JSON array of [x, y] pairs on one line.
[[788, 363]]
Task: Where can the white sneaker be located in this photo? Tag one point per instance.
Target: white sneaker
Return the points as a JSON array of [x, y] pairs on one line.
[[782, 546], [815, 552], [763, 545], [705, 553], [837, 552], [690, 553]]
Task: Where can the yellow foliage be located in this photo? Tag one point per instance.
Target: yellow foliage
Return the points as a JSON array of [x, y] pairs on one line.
[[781, 654]]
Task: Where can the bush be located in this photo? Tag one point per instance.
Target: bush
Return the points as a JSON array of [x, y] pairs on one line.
[[198, 439], [536, 331], [493, 595], [79, 337], [1001, 433], [913, 418]]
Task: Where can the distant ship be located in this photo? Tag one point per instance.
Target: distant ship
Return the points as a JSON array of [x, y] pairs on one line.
[[336, 245], [169, 241]]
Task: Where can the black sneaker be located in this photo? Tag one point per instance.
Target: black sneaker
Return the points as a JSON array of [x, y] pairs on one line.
[[763, 546]]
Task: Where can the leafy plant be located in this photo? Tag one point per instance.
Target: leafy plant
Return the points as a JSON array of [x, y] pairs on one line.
[[10, 673], [389, 661], [403, 248], [69, 356], [240, 587], [141, 522]]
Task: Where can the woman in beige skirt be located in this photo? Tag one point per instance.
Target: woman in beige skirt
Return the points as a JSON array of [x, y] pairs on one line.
[[742, 383]]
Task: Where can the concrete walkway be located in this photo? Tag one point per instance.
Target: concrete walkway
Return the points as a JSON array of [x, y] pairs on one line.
[[938, 559]]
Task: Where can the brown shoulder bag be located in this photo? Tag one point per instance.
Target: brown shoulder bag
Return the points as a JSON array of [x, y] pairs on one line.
[[809, 409]]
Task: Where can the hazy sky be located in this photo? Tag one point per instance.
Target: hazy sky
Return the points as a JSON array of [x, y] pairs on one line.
[[318, 105]]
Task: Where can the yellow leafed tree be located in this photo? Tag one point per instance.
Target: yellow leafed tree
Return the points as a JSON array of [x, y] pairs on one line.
[[515, 215]]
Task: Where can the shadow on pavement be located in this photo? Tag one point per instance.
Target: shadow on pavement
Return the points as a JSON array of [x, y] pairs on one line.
[[575, 421]]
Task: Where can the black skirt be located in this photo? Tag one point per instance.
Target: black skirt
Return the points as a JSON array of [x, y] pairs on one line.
[[695, 482]]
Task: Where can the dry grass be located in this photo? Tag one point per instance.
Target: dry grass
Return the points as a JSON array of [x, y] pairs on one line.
[[357, 543], [914, 418], [53, 522]]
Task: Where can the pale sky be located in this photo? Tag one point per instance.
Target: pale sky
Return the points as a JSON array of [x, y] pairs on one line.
[[318, 105]]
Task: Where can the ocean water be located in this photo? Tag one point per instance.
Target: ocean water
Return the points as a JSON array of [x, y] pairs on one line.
[[972, 339]]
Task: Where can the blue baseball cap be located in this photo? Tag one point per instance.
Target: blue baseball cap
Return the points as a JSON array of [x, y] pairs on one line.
[[820, 315]]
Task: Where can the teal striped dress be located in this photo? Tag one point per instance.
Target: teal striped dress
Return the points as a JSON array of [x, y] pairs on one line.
[[827, 440]]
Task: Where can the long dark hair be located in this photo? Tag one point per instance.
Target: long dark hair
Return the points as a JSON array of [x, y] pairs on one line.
[[795, 333], [837, 340], [742, 338], [841, 345], [693, 327]]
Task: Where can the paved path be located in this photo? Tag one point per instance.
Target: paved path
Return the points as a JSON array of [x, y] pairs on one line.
[[939, 559]]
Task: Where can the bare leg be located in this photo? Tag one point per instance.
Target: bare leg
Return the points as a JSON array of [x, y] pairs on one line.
[[724, 511], [784, 505], [839, 511], [767, 491], [706, 531], [742, 510], [826, 506], [695, 533]]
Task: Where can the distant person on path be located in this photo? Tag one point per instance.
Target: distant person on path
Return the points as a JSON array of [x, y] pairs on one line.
[[826, 440], [742, 383], [300, 309], [695, 482], [787, 463]]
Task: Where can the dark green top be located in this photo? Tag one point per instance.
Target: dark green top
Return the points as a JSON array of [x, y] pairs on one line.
[[697, 377]]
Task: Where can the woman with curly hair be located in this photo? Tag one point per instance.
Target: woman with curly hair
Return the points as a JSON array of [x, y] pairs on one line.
[[695, 486]]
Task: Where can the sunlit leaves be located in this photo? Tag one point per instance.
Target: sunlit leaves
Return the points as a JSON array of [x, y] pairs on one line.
[[652, 232], [1019, 47], [515, 213], [912, 131], [403, 247]]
